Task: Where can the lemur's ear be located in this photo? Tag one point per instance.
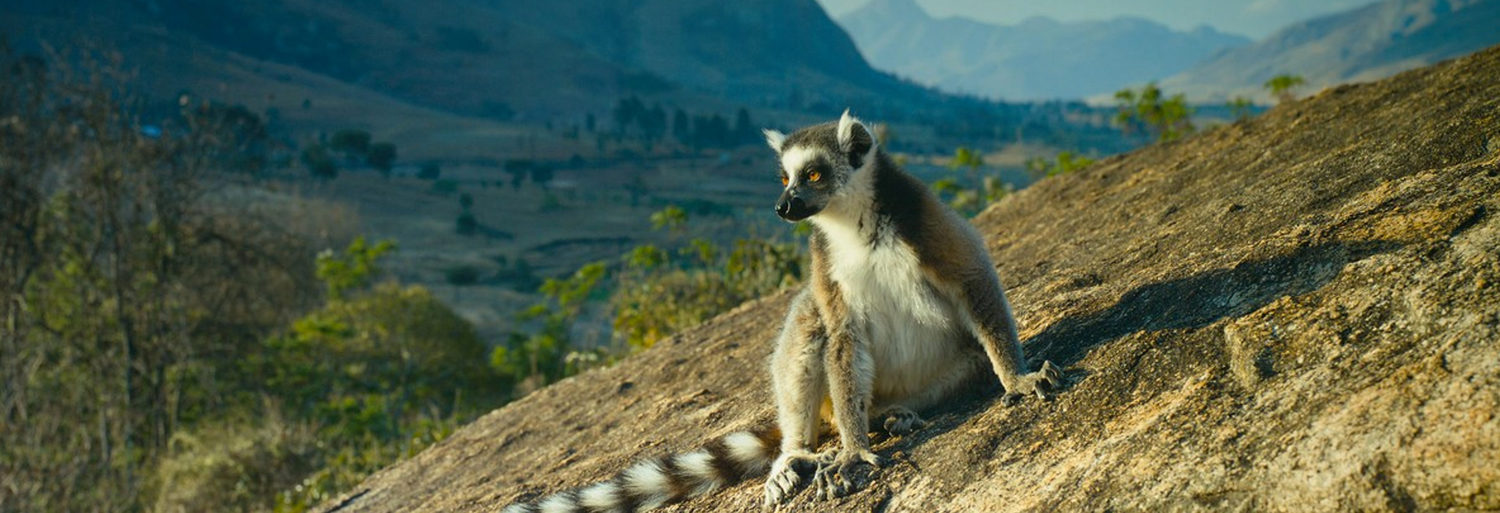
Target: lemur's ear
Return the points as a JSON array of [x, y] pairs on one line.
[[774, 138], [854, 139]]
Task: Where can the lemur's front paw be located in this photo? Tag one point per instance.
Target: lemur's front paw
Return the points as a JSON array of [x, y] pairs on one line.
[[1041, 383], [850, 472], [786, 474]]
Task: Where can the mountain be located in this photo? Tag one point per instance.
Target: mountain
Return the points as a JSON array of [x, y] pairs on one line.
[[1037, 59], [1295, 312], [1368, 43], [533, 62]]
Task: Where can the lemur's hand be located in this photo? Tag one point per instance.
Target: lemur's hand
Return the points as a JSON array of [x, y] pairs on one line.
[[1041, 383]]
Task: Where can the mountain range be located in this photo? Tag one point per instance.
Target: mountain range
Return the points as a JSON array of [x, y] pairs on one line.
[[521, 62], [1038, 59], [1366, 43], [531, 58]]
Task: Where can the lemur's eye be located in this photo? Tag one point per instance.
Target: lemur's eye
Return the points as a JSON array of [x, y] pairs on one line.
[[814, 176], [783, 180]]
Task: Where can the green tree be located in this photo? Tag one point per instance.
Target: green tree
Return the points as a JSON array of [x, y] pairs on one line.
[[353, 268], [461, 276], [542, 175], [966, 158], [466, 224], [1283, 86], [315, 157], [162, 349], [744, 130], [682, 129], [540, 355], [671, 218], [1240, 107], [131, 293], [354, 144], [518, 169], [382, 156], [1169, 117]]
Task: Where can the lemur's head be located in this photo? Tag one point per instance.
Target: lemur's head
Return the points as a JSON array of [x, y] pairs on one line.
[[816, 163]]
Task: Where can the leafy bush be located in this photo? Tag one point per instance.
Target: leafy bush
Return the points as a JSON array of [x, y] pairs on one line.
[[658, 294], [969, 202], [235, 466], [1066, 162], [1170, 117], [539, 355], [378, 374]]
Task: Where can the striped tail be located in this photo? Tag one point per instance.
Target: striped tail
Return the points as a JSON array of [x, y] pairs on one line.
[[650, 484]]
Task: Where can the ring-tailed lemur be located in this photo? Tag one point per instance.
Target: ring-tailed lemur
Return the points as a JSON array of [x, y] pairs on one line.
[[902, 310]]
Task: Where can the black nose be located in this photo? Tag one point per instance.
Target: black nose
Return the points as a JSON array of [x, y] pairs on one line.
[[788, 206], [792, 208]]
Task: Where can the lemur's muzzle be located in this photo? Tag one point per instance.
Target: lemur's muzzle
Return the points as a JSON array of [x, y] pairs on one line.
[[792, 208]]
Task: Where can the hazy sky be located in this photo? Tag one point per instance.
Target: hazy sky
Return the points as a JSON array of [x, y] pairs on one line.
[[1254, 18]]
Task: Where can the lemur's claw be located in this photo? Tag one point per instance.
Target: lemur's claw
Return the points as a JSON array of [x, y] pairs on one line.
[[849, 473], [786, 474]]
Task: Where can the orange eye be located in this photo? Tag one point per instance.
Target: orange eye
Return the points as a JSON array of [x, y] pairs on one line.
[[814, 176], [783, 180]]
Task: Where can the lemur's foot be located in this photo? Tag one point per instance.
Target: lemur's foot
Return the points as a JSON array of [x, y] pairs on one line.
[[850, 472], [900, 421], [786, 474], [1041, 383]]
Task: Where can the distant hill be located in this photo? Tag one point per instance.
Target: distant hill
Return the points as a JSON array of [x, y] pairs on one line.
[[544, 62], [1363, 44], [1037, 59]]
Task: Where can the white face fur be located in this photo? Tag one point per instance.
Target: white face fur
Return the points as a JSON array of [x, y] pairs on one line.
[[816, 173], [793, 160]]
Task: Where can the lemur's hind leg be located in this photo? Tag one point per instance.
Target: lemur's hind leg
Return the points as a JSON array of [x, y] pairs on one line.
[[896, 420], [799, 384], [900, 418]]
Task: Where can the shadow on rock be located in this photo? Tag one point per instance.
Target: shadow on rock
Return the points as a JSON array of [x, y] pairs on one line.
[[1200, 300]]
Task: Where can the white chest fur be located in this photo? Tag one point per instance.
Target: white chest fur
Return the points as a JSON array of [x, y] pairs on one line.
[[911, 329], [882, 279]]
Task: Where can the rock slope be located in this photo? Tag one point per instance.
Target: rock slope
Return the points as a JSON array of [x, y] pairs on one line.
[[1293, 313]]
